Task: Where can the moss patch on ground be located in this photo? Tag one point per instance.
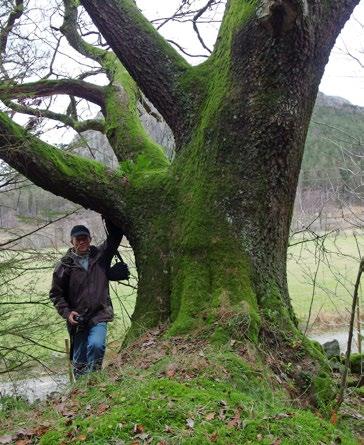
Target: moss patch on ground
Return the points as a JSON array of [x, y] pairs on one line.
[[177, 391]]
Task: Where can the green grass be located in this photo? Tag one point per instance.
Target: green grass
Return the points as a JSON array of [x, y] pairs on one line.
[[225, 402]]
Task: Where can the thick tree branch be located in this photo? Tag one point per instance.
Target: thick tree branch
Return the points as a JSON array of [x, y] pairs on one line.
[[123, 126], [337, 12], [152, 62], [43, 88], [330, 20], [83, 181], [69, 30]]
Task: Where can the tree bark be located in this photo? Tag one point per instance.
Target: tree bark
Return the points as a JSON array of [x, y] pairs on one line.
[[210, 230]]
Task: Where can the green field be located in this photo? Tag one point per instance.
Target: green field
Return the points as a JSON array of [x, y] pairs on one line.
[[326, 270], [331, 263]]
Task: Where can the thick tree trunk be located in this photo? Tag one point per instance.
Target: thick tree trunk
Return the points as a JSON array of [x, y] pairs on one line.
[[235, 180], [209, 231], [209, 254]]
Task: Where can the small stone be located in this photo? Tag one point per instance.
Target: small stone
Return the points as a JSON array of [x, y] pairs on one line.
[[332, 348]]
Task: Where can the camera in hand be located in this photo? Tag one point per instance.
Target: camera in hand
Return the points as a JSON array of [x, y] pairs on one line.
[[80, 319]]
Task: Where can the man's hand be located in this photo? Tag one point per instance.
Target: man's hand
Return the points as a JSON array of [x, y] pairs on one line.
[[112, 228], [71, 319]]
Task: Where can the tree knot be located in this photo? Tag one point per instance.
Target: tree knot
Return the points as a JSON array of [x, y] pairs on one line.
[[280, 16]]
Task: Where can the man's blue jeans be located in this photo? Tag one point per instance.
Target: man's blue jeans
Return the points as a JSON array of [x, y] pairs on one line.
[[89, 349]]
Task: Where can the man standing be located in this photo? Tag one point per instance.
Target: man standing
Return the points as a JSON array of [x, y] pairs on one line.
[[80, 293]]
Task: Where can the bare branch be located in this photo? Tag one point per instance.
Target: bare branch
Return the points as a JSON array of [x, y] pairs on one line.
[[195, 27], [14, 15], [79, 126], [18, 238], [43, 88], [69, 30], [184, 51], [78, 179]]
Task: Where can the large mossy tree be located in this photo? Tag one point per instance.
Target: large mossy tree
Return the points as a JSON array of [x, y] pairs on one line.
[[209, 229]]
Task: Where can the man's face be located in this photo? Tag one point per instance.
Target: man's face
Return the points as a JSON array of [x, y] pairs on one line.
[[81, 243]]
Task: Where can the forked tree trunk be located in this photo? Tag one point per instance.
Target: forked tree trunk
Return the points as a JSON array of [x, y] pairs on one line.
[[217, 239], [209, 231]]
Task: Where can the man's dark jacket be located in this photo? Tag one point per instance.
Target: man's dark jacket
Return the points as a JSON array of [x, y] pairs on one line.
[[87, 292]]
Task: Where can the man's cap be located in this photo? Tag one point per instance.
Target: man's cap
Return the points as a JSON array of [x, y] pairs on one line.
[[80, 230]]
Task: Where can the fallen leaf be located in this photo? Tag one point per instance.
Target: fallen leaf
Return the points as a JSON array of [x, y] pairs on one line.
[[190, 423], [23, 433], [277, 442], [168, 429], [333, 418], [81, 437], [102, 408], [259, 437], [148, 343], [235, 422], [283, 415], [210, 416], [23, 442], [143, 436], [64, 410], [138, 428], [41, 429], [213, 437], [278, 416], [171, 370], [162, 442], [6, 439]]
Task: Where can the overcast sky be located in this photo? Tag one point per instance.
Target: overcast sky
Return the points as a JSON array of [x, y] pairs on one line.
[[343, 75]]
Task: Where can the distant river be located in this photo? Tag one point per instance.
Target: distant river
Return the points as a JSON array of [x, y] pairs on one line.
[[34, 389], [340, 336]]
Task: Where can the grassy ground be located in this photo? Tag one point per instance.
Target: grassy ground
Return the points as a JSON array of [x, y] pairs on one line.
[[178, 391], [181, 391]]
